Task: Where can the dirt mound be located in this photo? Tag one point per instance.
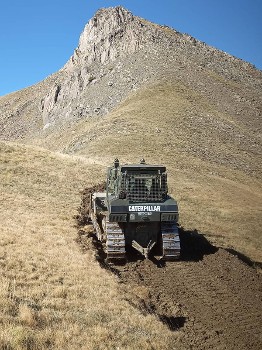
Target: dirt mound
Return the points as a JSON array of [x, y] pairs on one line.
[[82, 217]]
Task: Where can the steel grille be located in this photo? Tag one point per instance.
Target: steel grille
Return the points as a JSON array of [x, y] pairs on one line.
[[143, 187]]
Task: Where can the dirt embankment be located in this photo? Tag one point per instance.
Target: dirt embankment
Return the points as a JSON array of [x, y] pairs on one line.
[[211, 298]]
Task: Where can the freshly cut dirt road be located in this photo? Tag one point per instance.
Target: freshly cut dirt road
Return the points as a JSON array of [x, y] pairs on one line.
[[213, 300], [214, 303], [210, 298]]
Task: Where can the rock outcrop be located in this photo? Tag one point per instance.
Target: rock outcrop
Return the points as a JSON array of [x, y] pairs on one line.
[[108, 35]]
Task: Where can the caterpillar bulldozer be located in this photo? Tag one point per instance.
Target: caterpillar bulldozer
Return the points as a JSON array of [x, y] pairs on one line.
[[136, 211]]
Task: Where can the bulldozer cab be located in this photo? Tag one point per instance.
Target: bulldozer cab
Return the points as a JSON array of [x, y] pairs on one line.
[[138, 182]]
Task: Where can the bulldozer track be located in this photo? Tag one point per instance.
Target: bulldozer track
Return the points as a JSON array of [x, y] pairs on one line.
[[115, 241], [170, 240]]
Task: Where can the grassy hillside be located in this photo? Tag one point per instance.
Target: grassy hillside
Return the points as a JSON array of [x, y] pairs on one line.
[[213, 158], [51, 294], [54, 296]]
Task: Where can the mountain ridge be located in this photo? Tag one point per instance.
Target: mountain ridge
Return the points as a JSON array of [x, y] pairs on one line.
[[117, 54]]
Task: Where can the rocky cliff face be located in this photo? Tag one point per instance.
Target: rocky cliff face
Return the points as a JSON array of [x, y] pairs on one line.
[[118, 53], [108, 35]]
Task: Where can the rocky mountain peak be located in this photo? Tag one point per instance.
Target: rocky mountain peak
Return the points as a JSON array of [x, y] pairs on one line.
[[110, 33], [119, 53]]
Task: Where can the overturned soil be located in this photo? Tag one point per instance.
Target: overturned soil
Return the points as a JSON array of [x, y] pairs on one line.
[[215, 303], [211, 298]]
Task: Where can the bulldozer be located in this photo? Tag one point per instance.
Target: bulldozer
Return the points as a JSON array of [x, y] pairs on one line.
[[136, 212]]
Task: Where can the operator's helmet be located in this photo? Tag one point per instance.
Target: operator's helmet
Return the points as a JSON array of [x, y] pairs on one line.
[[142, 161], [116, 163]]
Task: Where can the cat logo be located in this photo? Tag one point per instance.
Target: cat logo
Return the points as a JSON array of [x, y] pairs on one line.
[[144, 208]]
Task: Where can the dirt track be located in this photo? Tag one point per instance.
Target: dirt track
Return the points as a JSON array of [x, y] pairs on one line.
[[214, 303], [211, 298]]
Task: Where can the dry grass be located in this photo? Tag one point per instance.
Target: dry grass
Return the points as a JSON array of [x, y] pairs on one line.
[[52, 296], [213, 159]]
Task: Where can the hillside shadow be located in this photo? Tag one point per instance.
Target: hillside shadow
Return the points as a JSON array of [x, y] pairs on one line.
[[148, 307], [194, 246], [248, 261], [172, 322]]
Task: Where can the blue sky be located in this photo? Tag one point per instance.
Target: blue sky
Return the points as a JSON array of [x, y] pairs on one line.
[[38, 37]]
